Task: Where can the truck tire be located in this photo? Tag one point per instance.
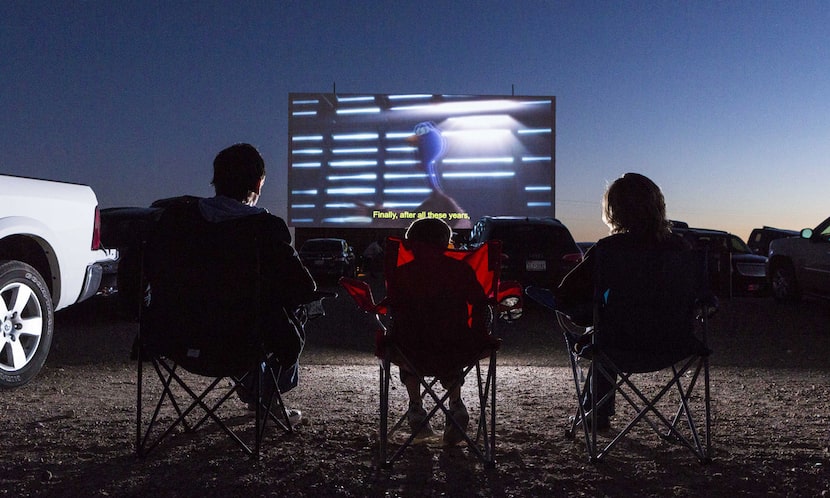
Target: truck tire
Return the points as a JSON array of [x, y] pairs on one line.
[[784, 285], [28, 320]]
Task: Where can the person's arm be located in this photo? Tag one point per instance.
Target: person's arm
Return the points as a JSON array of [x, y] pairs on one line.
[[577, 285], [295, 286], [574, 295]]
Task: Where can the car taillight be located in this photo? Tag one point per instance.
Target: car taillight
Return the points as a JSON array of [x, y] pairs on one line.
[[96, 230], [573, 258]]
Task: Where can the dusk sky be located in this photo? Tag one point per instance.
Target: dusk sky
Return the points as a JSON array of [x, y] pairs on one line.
[[726, 105]]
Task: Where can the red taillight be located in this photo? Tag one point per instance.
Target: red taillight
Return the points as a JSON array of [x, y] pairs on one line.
[[574, 258], [96, 230]]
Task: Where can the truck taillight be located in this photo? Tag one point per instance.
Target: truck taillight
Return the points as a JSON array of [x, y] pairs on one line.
[[96, 231]]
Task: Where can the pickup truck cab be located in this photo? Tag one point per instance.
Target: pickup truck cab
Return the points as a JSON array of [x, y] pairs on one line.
[[801, 265], [49, 259]]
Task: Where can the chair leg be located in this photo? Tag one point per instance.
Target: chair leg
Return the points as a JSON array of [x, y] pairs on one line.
[[383, 437], [138, 405], [173, 386]]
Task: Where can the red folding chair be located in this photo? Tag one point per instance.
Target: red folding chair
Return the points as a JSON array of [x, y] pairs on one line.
[[476, 351]]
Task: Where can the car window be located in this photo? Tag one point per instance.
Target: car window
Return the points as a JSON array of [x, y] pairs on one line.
[[737, 245], [322, 245], [534, 238]]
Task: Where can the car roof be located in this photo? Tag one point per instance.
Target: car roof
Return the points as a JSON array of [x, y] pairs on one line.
[[521, 220], [326, 239], [773, 229], [701, 231]]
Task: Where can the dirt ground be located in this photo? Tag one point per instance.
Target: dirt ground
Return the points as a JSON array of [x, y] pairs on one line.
[[71, 431]]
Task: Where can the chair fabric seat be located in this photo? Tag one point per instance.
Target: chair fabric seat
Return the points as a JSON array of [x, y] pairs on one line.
[[424, 334]]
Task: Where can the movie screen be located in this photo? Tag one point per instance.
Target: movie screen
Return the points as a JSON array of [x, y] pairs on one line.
[[364, 161]]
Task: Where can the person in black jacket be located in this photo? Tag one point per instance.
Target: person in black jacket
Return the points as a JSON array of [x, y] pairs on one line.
[[634, 209], [238, 177]]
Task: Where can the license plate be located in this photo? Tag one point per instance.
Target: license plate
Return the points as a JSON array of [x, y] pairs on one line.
[[535, 265]]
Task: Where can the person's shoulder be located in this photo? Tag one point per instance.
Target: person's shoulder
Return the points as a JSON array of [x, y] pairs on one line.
[[272, 225], [614, 241]]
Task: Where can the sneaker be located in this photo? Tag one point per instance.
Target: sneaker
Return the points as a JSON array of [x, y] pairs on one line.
[[452, 435], [294, 416], [416, 415]]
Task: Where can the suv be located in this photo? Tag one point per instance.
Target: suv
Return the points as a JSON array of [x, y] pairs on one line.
[[535, 251], [801, 265], [733, 268], [328, 257], [760, 238]]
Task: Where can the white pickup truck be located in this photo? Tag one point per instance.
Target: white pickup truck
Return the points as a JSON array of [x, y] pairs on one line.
[[49, 259]]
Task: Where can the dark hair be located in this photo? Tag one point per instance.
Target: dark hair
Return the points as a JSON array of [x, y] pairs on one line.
[[237, 170], [633, 203], [430, 231]]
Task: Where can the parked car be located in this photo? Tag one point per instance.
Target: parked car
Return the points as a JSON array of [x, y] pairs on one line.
[[801, 265], [760, 238], [535, 251], [328, 257], [733, 268], [50, 259]]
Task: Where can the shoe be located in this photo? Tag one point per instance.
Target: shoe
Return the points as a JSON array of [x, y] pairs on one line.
[[452, 435], [294, 416], [416, 415]]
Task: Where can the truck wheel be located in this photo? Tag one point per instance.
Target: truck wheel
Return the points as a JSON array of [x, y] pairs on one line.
[[28, 320], [784, 286]]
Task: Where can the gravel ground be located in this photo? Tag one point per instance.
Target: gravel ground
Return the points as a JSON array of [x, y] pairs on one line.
[[70, 432]]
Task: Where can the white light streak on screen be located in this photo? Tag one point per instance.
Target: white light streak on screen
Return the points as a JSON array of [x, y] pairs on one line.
[[350, 191], [364, 150], [356, 136], [340, 178], [352, 164], [360, 98], [363, 110]]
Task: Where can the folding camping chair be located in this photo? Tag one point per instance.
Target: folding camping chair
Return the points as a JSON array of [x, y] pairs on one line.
[[201, 331], [481, 440], [648, 343]]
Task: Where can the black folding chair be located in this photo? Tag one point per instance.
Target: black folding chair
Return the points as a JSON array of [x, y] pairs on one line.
[[201, 332], [650, 317]]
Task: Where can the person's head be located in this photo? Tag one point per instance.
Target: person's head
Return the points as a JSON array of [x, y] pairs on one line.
[[430, 231], [238, 173], [633, 203]]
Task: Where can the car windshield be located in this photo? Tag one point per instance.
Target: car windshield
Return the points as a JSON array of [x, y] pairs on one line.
[[322, 246], [738, 245], [720, 243], [533, 238]]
